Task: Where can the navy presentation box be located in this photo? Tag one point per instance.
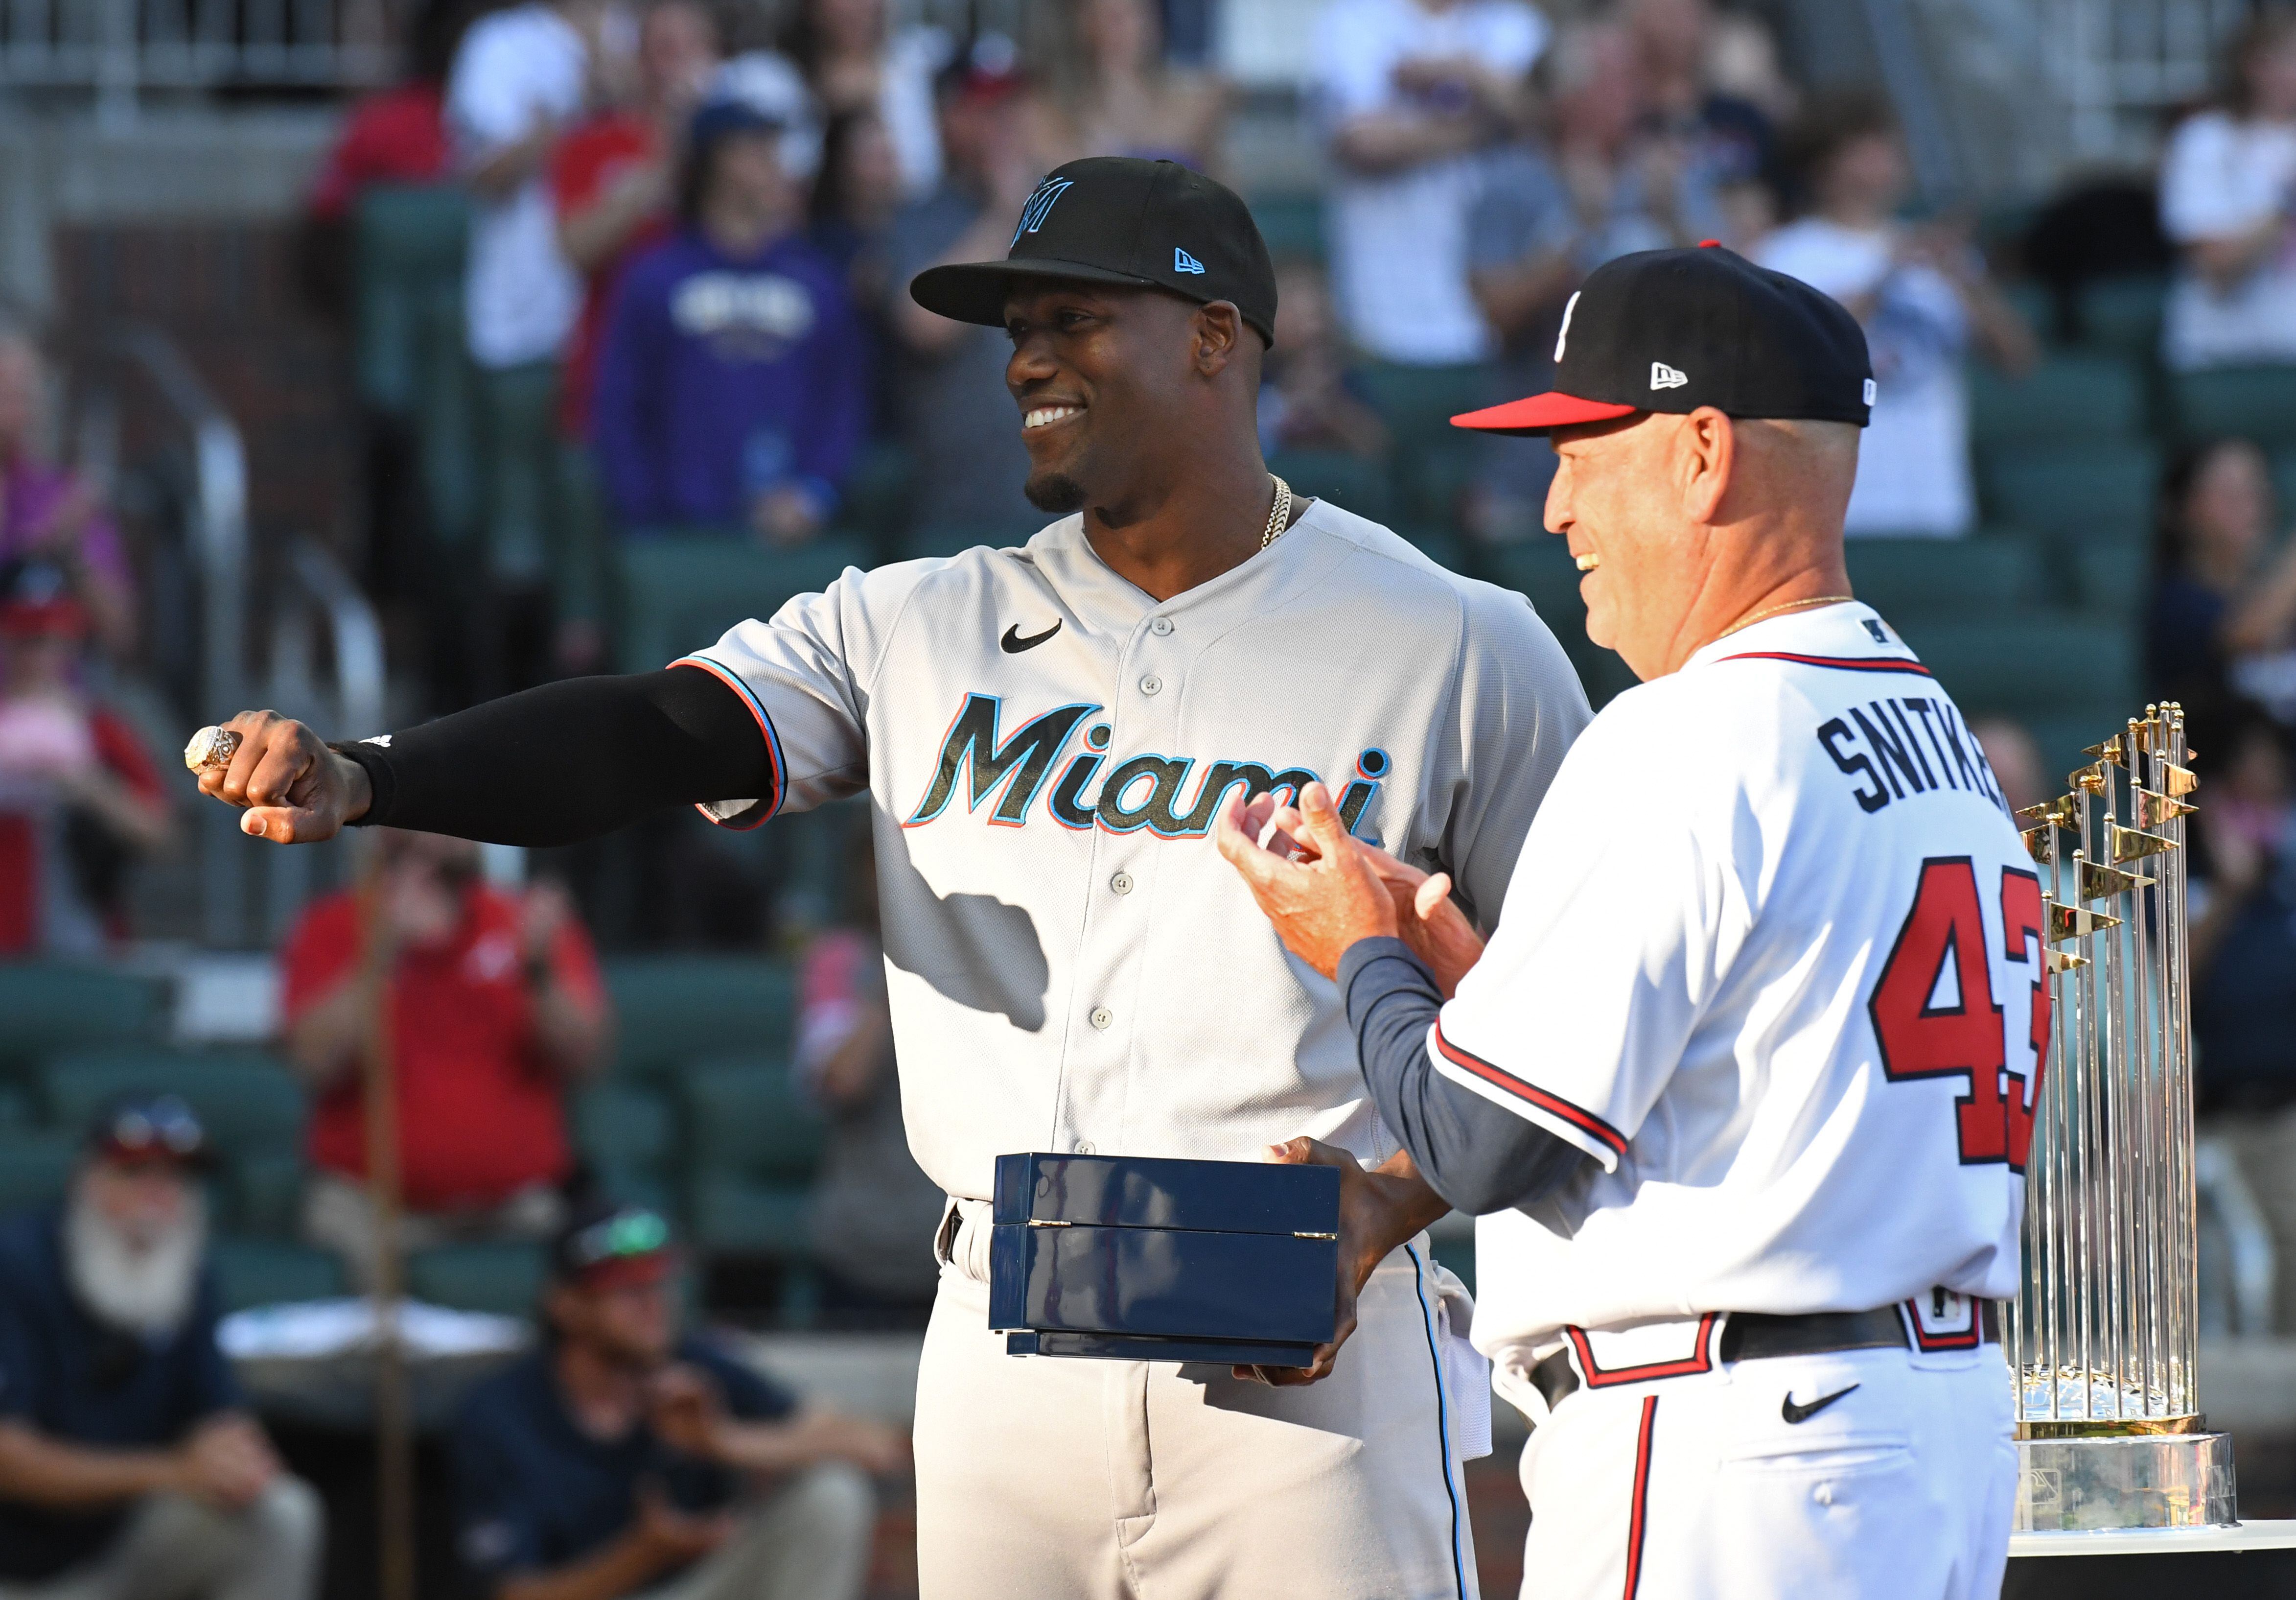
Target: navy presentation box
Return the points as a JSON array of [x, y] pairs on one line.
[[1146, 1258]]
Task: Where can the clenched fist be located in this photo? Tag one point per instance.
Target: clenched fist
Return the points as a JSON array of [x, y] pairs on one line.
[[294, 788]]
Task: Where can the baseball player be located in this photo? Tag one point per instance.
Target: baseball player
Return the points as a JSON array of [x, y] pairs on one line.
[[1744, 1077], [1047, 734]]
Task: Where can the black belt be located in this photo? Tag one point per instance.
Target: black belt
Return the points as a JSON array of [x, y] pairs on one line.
[[1757, 1335]]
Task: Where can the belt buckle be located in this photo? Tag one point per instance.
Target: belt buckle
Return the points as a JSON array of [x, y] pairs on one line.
[[1944, 1319]]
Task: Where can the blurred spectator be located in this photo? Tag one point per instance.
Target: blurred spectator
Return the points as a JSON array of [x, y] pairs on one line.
[[1103, 89], [2223, 618], [611, 179], [855, 197], [129, 1466], [52, 513], [496, 1008], [79, 795], [872, 1211], [734, 387], [956, 417], [622, 1455], [1619, 181], [2228, 202], [520, 77], [2016, 760], [1410, 91], [1725, 139], [1923, 297], [855, 60], [1309, 400]]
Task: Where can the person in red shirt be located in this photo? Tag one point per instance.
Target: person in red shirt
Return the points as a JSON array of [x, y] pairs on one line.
[[79, 795], [495, 1009]]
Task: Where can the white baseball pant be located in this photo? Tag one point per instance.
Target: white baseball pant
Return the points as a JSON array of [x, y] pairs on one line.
[[1701, 1487], [1150, 1481]]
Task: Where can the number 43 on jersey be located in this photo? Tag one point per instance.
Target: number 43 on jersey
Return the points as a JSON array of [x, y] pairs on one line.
[[1932, 1028]]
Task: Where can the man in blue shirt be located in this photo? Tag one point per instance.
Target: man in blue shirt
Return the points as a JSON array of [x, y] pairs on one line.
[[127, 1464], [623, 1457], [732, 387]]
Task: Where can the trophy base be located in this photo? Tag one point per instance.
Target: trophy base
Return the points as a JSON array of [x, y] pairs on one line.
[[2152, 1481]]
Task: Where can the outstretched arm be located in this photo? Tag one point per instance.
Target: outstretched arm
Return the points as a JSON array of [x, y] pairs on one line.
[[567, 761]]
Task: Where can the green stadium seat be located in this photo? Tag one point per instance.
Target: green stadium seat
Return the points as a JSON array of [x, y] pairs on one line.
[[628, 1136], [681, 590], [2094, 490], [954, 539], [49, 1006], [2032, 664], [1418, 402], [1435, 478], [1905, 579], [1442, 546], [410, 244], [2066, 398], [1348, 481], [2112, 579], [2235, 402], [270, 1272], [752, 1147], [2122, 315], [877, 493], [1292, 225], [505, 1278], [670, 1010], [265, 1191], [34, 1167], [250, 1104], [2036, 302]]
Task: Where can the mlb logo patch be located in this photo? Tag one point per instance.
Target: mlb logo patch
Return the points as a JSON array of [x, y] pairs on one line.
[[1184, 262], [1663, 376]]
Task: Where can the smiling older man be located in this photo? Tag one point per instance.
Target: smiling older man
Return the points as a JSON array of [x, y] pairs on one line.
[[1744, 1078], [1047, 734]]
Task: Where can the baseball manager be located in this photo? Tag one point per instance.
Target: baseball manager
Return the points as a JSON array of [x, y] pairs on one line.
[[1046, 735], [1744, 1077]]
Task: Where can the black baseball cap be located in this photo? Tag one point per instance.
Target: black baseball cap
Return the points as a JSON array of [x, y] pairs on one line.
[[605, 1242], [143, 1127], [1119, 220], [1672, 330]]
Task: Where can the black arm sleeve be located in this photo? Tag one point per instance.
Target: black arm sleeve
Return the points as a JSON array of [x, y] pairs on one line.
[[1478, 1156], [569, 761]]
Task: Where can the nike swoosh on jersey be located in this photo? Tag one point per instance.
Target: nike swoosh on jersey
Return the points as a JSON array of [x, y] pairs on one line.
[[1793, 1413], [1013, 643]]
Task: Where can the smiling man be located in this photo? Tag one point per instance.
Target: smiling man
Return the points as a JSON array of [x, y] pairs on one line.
[[1046, 733]]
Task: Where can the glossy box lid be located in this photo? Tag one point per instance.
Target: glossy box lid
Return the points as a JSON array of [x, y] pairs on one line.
[[1141, 1190], [1162, 1282]]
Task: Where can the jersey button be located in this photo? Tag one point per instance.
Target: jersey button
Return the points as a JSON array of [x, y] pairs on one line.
[[1160, 627], [1102, 1018], [1122, 883], [1083, 1147], [1151, 684]]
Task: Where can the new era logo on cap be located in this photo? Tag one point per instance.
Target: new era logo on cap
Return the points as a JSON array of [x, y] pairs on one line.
[[1748, 343], [1184, 262]]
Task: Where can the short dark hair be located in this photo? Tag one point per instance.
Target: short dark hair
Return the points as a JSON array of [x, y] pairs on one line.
[[2268, 27], [1829, 124]]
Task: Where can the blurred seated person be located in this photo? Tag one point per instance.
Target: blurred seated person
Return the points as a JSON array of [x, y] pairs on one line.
[[954, 414], [2243, 925], [1599, 181], [1105, 89], [2016, 760], [873, 1210], [611, 179], [854, 56], [1925, 301], [2222, 623], [1309, 397], [129, 1466], [495, 1009], [2228, 203], [80, 797], [50, 513], [623, 1456], [732, 390], [855, 197]]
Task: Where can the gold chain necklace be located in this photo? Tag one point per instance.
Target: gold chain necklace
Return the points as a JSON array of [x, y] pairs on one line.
[[1279, 515], [1791, 605]]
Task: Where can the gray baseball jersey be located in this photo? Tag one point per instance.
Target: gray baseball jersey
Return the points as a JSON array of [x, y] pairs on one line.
[[1072, 966]]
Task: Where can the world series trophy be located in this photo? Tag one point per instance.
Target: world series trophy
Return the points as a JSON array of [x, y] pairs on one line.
[[2105, 1341]]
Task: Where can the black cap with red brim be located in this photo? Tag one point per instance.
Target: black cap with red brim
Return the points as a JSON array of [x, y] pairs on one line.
[[1673, 329]]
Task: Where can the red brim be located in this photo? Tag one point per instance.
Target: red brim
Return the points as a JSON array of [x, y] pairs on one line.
[[629, 1272], [1539, 413]]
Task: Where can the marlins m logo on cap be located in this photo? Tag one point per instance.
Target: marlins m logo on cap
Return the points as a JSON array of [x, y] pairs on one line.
[[1040, 205]]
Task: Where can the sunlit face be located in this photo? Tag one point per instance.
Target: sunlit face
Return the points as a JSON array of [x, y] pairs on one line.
[[1616, 498], [2227, 513], [746, 170], [1097, 372]]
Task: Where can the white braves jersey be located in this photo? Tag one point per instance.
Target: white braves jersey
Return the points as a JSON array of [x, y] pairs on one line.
[[1774, 959], [1070, 964]]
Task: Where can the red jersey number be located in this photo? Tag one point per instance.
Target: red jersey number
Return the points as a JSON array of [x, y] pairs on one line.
[[1963, 1034]]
